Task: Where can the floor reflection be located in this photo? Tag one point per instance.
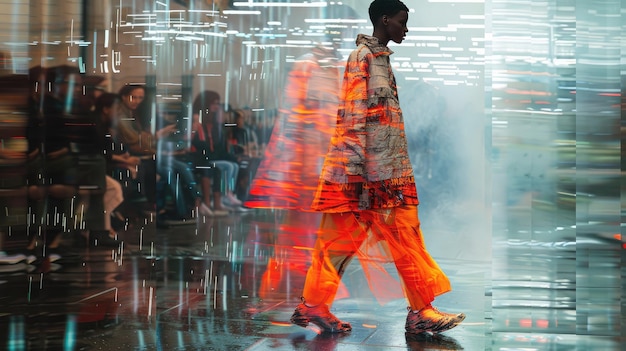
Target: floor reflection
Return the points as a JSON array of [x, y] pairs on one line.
[[197, 288]]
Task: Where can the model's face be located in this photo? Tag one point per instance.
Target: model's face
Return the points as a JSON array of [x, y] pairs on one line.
[[396, 26]]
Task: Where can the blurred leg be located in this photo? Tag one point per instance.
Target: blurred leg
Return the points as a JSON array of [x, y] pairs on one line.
[[113, 197], [421, 276], [339, 239]]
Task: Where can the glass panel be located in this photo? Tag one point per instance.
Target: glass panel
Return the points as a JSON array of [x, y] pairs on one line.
[[513, 115], [557, 172]]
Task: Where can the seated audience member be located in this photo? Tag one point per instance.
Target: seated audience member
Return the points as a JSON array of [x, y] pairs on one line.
[[244, 137], [133, 131], [105, 108], [246, 149], [133, 128], [263, 125], [210, 176], [52, 169], [176, 169], [211, 140]]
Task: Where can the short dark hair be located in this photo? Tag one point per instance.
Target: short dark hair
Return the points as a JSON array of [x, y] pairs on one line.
[[380, 8]]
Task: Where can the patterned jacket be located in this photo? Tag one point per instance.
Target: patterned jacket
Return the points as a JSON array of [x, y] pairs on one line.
[[369, 148], [369, 143]]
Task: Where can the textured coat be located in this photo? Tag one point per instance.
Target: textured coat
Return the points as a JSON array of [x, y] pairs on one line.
[[367, 165]]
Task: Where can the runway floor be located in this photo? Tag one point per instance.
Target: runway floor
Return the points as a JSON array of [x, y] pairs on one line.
[[196, 287]]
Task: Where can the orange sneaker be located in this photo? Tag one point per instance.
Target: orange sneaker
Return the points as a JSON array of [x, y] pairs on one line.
[[429, 319], [321, 316]]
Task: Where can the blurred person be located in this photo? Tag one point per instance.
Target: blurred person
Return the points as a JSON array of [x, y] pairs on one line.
[[244, 138], [176, 171], [211, 176], [132, 126], [12, 161], [178, 165], [80, 128], [133, 130], [105, 108], [246, 150], [52, 170], [367, 191], [263, 125], [212, 139], [88, 147], [288, 175]]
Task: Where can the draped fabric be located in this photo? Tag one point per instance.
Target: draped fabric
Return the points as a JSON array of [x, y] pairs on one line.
[[375, 237], [288, 176]]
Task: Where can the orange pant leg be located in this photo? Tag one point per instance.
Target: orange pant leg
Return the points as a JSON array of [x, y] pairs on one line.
[[339, 238], [421, 276], [292, 249]]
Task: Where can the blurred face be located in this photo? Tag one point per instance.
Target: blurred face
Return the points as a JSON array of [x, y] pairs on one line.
[[240, 120], [213, 109], [109, 113], [214, 106], [396, 26], [133, 99]]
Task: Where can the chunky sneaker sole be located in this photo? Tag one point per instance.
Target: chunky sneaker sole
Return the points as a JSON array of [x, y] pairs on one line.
[[321, 316], [431, 320]]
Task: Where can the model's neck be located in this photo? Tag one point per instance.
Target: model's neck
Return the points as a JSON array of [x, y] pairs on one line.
[[382, 37]]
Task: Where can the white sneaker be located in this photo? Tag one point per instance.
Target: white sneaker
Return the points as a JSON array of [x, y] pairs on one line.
[[232, 201], [242, 209], [31, 258], [204, 210], [54, 257], [12, 259]]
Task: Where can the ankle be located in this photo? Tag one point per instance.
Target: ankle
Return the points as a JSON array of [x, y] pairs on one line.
[[429, 306], [308, 304]]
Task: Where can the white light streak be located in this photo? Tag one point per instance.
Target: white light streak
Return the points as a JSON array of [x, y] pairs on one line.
[[280, 4], [472, 17], [106, 38], [242, 12], [426, 37], [212, 34], [457, 1], [334, 20], [150, 304], [224, 287], [299, 42]]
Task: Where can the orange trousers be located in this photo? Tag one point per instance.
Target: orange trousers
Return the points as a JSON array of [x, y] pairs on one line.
[[343, 236]]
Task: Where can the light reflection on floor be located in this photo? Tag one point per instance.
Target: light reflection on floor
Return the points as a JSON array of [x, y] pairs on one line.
[[187, 289]]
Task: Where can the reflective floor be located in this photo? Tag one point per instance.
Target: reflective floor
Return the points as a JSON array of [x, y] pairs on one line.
[[192, 287]]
